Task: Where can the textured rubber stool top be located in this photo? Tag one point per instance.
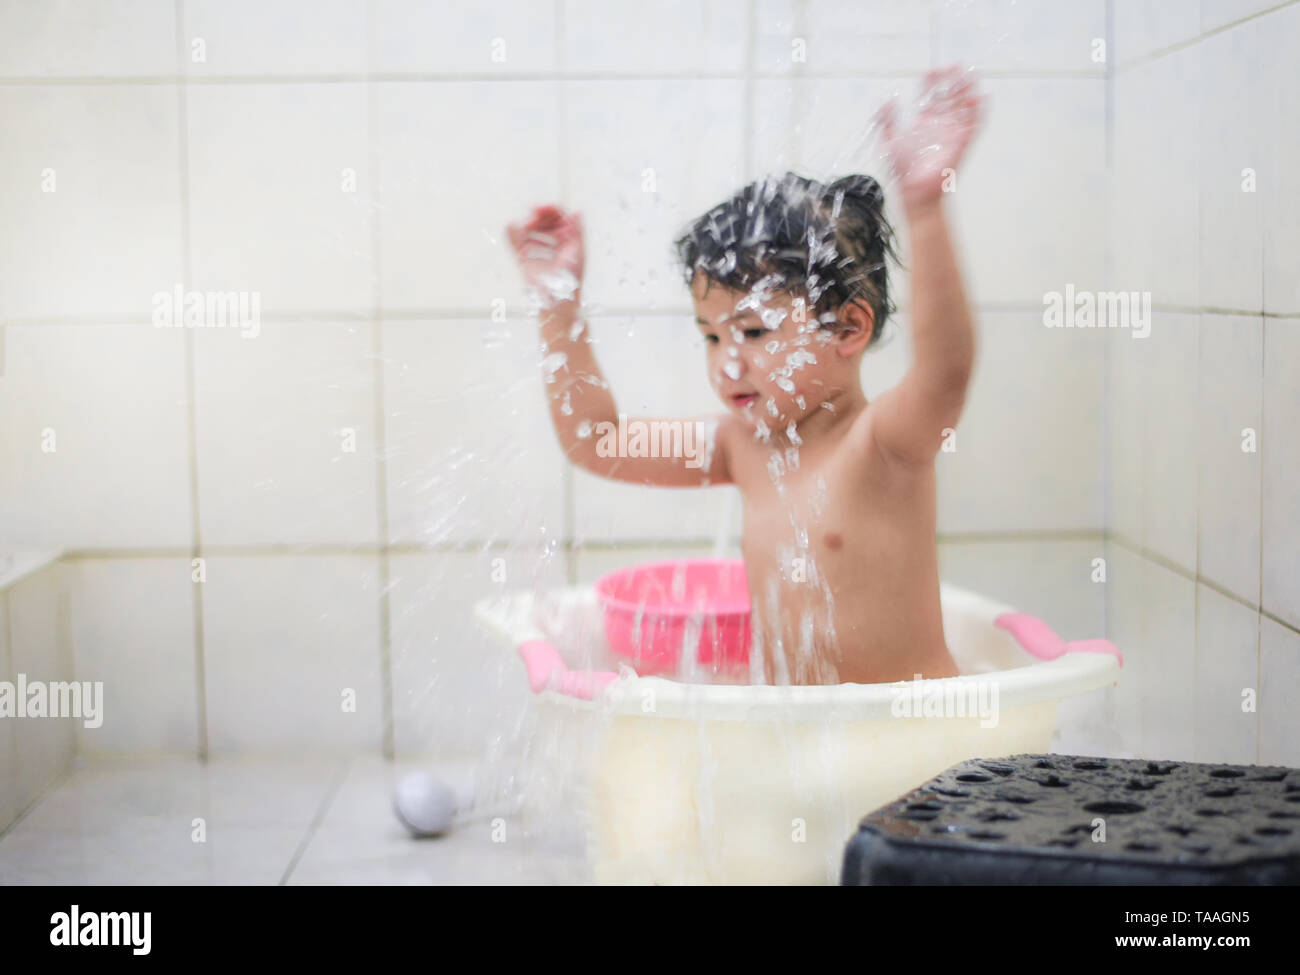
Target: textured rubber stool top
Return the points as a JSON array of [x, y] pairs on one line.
[[1062, 819]]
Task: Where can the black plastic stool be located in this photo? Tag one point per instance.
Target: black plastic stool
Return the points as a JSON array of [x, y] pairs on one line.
[[1064, 819]]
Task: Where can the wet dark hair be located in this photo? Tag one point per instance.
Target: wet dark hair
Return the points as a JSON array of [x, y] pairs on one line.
[[830, 240]]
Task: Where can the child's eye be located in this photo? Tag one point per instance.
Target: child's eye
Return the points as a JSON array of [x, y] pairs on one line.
[[711, 339], [755, 333]]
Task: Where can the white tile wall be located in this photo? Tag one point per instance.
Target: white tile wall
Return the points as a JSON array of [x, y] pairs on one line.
[[1126, 418], [1052, 580], [9, 798], [1011, 471], [1170, 437], [1228, 418], [463, 37], [1279, 718], [70, 39], [284, 638], [1143, 27], [1217, 13], [133, 629], [822, 127], [94, 436], [858, 37], [1126, 627], [845, 36], [272, 209], [471, 454], [1280, 463], [94, 219], [1227, 678], [248, 37], [639, 190], [286, 434], [887, 362], [1278, 100], [1027, 211], [452, 175], [456, 688], [669, 37], [1023, 35], [1155, 227], [1231, 242], [40, 647], [1195, 116], [1164, 666]]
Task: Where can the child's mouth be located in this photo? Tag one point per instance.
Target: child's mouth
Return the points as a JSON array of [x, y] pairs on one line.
[[744, 400]]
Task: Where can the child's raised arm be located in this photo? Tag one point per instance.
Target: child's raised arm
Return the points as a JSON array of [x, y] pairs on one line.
[[907, 421], [663, 452]]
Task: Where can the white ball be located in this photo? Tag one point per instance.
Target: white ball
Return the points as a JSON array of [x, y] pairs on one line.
[[426, 805]]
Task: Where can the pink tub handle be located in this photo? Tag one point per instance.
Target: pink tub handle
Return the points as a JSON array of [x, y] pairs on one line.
[[547, 671], [1037, 638]]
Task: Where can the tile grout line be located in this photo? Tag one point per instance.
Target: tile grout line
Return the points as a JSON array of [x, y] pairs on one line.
[[1196, 551], [1156, 559], [472, 546], [381, 425], [1202, 35], [1108, 132], [191, 396], [798, 97], [307, 318], [523, 77], [1263, 445], [568, 486], [321, 812]]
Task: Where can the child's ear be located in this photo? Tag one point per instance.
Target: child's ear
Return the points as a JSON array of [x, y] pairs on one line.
[[857, 324]]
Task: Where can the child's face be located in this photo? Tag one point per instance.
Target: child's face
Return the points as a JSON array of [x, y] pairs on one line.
[[768, 359]]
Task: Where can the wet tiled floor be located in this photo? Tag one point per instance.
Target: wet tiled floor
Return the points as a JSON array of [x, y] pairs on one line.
[[177, 821]]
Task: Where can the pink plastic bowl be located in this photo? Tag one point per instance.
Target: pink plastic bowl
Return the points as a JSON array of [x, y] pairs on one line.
[[650, 610]]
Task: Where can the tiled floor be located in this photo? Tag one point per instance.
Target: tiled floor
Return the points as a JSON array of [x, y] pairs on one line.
[[266, 822]]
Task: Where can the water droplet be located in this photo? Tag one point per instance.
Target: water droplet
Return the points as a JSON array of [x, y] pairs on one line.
[[552, 364]]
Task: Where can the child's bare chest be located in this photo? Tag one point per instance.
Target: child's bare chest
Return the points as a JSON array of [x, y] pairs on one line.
[[830, 517], [840, 553]]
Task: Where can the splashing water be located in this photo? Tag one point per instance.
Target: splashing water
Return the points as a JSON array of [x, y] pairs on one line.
[[793, 624]]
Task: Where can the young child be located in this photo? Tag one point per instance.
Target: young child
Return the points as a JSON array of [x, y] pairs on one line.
[[790, 289]]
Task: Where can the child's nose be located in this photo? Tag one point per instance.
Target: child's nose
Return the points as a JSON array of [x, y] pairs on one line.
[[733, 365]]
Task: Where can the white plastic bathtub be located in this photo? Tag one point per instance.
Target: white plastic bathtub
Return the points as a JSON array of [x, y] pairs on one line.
[[702, 783]]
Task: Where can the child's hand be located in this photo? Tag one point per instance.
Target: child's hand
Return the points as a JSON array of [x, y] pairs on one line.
[[550, 252], [935, 138]]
